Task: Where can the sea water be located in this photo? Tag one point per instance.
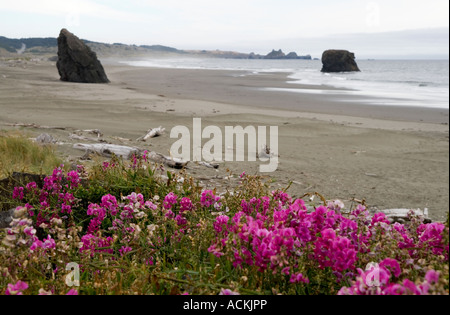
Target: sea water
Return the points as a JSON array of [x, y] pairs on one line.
[[422, 83]]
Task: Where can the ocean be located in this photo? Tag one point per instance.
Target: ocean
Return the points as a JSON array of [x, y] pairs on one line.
[[422, 83]]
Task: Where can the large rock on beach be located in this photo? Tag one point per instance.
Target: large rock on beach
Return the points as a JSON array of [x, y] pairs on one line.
[[77, 62], [339, 61]]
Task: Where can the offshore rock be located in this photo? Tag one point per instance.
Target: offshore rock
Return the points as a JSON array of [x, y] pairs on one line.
[[275, 55], [77, 62], [339, 61]]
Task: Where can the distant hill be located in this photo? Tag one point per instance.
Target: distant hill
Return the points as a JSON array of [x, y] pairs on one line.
[[281, 55], [50, 45], [162, 48], [46, 46], [13, 45]]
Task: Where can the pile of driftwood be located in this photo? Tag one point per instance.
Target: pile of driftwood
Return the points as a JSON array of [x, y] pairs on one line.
[[106, 149], [126, 152]]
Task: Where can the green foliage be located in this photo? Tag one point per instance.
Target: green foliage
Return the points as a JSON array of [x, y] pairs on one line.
[[155, 244]]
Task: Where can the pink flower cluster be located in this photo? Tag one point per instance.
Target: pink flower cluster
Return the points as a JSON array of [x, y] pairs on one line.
[[48, 243], [208, 199], [170, 201], [91, 244], [122, 217], [21, 286], [178, 211], [186, 205], [380, 279], [335, 251], [277, 233], [22, 234], [56, 193], [21, 231], [16, 289], [430, 235]]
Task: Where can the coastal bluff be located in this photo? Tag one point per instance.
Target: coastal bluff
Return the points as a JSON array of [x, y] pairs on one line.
[[339, 61], [77, 62]]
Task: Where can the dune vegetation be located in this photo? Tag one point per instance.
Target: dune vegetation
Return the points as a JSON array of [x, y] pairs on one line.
[[20, 154], [135, 228]]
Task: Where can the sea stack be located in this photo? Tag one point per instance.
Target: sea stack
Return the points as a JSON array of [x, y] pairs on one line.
[[77, 62], [339, 61]]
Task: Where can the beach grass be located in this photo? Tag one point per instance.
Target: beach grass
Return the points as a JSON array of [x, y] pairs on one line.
[[20, 154]]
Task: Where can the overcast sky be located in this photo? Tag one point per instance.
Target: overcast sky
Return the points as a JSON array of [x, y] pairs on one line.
[[243, 25]]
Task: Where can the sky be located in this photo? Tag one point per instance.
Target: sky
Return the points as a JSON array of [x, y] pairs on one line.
[[368, 27]]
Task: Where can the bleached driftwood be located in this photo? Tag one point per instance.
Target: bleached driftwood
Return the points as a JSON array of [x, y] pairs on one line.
[[166, 160], [209, 165], [152, 133], [36, 126], [108, 150], [122, 139], [82, 138], [45, 138], [96, 132], [401, 215]]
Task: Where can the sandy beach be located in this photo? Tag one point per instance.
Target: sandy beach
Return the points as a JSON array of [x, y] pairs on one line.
[[393, 157]]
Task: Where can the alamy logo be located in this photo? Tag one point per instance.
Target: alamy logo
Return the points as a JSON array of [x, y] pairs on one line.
[[213, 150], [373, 277], [73, 278]]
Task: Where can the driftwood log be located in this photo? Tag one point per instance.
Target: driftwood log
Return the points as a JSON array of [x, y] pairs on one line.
[[45, 138], [152, 133], [209, 165], [96, 132], [36, 126], [171, 162], [402, 215], [108, 150], [83, 138]]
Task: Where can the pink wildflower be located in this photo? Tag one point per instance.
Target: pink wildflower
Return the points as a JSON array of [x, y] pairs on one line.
[[228, 292], [392, 265], [74, 179], [31, 186], [432, 277], [124, 250], [221, 223], [186, 205], [380, 217], [208, 198], [181, 221], [109, 203], [170, 200], [299, 278], [49, 243], [18, 193], [335, 251], [16, 289]]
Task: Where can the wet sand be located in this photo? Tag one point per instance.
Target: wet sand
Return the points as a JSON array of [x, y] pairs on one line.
[[394, 157]]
